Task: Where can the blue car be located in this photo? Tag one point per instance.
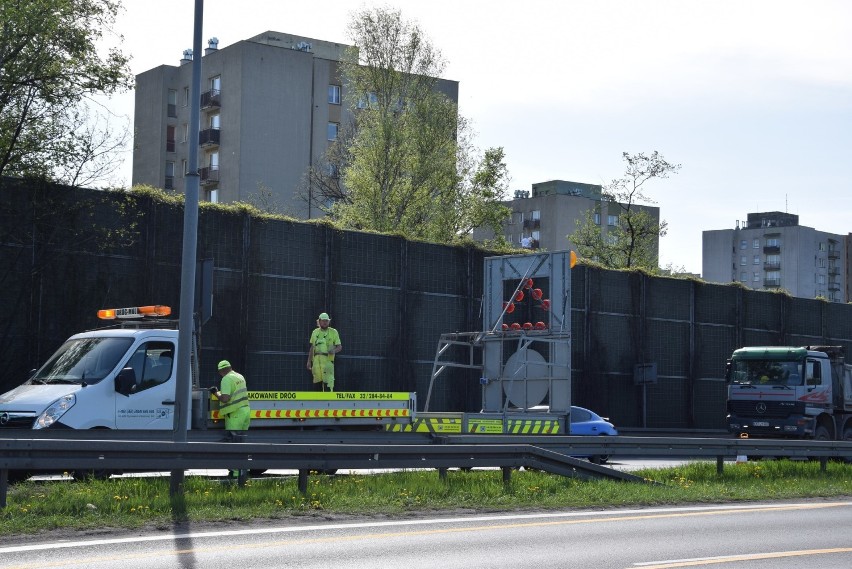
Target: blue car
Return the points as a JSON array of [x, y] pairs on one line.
[[588, 423]]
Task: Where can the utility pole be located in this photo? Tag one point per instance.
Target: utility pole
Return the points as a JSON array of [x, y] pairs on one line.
[[190, 243]]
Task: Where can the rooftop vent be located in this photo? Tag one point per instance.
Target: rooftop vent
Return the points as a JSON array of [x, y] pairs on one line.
[[212, 45], [187, 57]]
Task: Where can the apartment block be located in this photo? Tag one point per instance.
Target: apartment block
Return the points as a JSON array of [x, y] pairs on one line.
[[270, 107], [771, 250], [550, 214]]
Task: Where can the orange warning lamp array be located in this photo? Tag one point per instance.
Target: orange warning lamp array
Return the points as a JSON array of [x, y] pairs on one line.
[[134, 312]]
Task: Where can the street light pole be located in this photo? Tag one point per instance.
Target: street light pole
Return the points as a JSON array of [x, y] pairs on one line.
[[190, 243]]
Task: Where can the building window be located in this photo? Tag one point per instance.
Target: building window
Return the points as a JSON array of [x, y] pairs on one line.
[[822, 246], [185, 132], [170, 138], [170, 175], [185, 96], [612, 220], [743, 244], [821, 263], [216, 83], [334, 94], [820, 279], [214, 196], [184, 167], [756, 277], [332, 131], [773, 260], [371, 100], [757, 259], [744, 277], [172, 103], [774, 242], [755, 244], [743, 261], [536, 215], [597, 218]]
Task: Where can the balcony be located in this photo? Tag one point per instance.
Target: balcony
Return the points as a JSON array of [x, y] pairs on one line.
[[209, 137], [834, 286], [532, 223], [212, 99], [772, 249], [833, 271], [209, 176], [771, 283], [772, 266], [833, 253]]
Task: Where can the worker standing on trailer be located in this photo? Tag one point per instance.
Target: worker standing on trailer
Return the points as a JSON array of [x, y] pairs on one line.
[[325, 343]]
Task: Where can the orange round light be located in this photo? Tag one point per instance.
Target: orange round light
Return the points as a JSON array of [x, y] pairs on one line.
[[537, 294], [519, 296], [527, 325], [545, 304], [515, 326]]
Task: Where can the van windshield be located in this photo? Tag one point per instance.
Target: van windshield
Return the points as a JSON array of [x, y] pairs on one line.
[[85, 360]]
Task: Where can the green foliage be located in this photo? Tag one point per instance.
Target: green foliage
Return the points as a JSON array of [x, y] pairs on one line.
[[406, 165], [50, 63], [633, 240]]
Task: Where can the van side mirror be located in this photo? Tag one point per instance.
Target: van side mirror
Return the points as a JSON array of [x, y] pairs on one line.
[[125, 381]]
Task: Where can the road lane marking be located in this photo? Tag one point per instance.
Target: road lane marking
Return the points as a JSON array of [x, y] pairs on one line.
[[733, 558], [547, 519]]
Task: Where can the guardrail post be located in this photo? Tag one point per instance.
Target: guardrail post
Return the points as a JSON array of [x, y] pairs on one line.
[[720, 465], [4, 486], [303, 481], [507, 474], [442, 473], [823, 463]]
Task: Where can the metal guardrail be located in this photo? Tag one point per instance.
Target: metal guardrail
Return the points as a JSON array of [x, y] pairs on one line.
[[306, 451]]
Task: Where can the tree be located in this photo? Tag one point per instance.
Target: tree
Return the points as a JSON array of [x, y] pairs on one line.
[[633, 240], [50, 67], [405, 163]]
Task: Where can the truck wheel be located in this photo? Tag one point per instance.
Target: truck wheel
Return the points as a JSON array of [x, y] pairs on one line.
[[821, 434]]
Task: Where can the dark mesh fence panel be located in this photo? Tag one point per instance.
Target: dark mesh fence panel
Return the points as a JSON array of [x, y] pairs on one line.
[[668, 347], [806, 318], [713, 346], [667, 404], [709, 400], [69, 252], [716, 304], [668, 298], [366, 259]]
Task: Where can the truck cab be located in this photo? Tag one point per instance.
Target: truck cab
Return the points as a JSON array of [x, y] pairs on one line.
[[787, 392]]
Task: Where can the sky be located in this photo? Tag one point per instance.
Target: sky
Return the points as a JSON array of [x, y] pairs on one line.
[[752, 98]]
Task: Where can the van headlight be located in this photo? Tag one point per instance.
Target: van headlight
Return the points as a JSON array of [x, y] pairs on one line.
[[55, 411]]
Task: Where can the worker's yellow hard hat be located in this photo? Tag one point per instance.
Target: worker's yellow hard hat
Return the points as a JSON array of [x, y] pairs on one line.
[[224, 364]]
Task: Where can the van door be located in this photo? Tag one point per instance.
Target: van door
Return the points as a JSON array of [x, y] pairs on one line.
[[151, 403]]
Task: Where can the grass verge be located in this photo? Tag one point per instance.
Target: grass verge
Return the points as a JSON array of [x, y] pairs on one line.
[[135, 502]]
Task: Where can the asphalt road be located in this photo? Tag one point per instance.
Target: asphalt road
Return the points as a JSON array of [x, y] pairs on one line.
[[752, 536]]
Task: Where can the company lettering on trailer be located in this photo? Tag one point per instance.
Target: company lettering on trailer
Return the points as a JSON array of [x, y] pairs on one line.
[[328, 396]]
